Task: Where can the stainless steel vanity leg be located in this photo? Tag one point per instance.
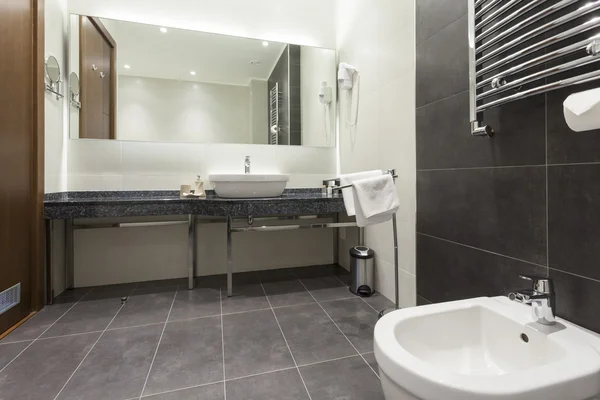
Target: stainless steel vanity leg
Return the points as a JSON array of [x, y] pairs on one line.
[[229, 260], [49, 261], [69, 255], [336, 237], [191, 250]]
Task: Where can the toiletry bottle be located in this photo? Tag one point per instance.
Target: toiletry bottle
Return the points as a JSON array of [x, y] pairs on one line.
[[199, 187]]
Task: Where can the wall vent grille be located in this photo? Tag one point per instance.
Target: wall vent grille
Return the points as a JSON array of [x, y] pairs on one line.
[[10, 298]]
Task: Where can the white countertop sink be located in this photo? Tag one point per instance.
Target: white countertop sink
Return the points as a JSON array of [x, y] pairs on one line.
[[486, 348], [247, 186]]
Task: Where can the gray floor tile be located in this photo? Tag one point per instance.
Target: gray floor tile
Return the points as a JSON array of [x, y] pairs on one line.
[[165, 283], [253, 344], [10, 351], [86, 316], [111, 291], [190, 353], [287, 292], [315, 271], [71, 295], [379, 301], [246, 297], [348, 379], [208, 392], [370, 359], [281, 385], [37, 324], [200, 302], [311, 335], [143, 309], [356, 319], [326, 288], [41, 371], [117, 366]]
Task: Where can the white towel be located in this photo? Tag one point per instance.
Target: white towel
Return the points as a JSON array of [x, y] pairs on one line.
[[375, 199], [348, 179]]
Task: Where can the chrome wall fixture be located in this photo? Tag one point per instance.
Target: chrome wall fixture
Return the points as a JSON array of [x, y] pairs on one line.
[[52, 69], [494, 34]]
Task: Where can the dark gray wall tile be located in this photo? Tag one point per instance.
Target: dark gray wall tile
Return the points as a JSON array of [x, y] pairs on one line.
[[442, 64], [496, 209], [435, 15], [422, 301], [444, 137], [448, 271], [574, 219], [577, 299]]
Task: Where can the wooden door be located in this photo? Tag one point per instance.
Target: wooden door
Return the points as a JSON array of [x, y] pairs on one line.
[[97, 52], [21, 154]]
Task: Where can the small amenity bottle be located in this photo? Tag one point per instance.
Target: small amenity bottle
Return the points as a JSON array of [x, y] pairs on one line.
[[199, 187]]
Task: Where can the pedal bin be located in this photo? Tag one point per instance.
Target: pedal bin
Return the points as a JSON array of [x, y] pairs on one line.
[[361, 270]]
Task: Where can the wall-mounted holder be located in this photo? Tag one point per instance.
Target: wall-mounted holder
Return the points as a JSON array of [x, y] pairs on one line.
[[496, 36], [74, 88], [53, 76]]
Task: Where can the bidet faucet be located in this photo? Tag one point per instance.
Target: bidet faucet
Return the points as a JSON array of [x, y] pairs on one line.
[[247, 165], [541, 298]]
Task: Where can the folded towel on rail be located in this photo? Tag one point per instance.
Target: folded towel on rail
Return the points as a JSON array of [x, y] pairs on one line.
[[375, 200], [348, 179]]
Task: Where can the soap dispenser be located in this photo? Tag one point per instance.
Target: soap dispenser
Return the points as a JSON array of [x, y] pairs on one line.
[[199, 187]]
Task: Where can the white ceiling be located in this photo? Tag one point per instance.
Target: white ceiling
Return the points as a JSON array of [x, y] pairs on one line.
[[172, 55]]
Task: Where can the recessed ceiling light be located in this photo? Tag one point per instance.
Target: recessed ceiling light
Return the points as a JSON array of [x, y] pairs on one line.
[[127, 66], [192, 72], [265, 43], [163, 29]]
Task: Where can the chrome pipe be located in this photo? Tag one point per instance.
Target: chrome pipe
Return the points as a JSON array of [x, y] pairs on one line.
[[576, 80], [540, 75], [191, 250], [267, 228], [542, 29], [486, 8], [581, 45], [504, 8], [540, 45], [229, 260], [520, 25]]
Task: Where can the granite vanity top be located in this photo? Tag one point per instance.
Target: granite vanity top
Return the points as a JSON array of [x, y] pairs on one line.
[[68, 205]]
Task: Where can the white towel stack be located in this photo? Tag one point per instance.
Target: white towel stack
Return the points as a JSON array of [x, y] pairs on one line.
[[348, 179], [375, 200]]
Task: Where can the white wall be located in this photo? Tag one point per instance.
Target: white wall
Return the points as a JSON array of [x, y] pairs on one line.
[[307, 22], [380, 42], [318, 121], [166, 110]]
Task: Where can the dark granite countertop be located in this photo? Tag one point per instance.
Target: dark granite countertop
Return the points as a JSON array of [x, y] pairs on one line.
[[98, 204]]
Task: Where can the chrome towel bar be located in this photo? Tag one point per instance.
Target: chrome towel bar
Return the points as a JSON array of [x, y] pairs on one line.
[[495, 79]]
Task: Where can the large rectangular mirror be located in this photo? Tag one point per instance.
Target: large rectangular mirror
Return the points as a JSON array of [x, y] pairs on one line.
[[132, 81]]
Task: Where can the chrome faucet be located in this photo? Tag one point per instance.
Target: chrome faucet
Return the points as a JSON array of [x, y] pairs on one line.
[[541, 298], [247, 165]]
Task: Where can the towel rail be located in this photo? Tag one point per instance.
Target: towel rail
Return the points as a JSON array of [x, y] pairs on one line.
[[492, 69]]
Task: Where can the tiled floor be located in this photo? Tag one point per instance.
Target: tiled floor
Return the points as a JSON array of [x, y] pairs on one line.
[[285, 334]]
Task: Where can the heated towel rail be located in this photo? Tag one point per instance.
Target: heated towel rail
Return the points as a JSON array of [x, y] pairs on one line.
[[507, 38]]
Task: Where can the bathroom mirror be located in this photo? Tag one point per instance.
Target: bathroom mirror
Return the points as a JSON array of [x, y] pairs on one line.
[[144, 82], [74, 84], [52, 70]]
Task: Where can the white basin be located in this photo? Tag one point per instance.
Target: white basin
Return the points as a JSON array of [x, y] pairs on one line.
[[245, 186], [484, 348]]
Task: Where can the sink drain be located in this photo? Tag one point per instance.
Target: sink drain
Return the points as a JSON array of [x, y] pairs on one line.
[[524, 338]]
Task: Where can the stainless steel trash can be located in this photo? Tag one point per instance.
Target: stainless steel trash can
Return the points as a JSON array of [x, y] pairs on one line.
[[361, 271]]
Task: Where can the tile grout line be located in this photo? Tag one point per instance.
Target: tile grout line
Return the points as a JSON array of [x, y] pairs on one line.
[[336, 325], [223, 344], [478, 168], [93, 345], [158, 344], [284, 338], [483, 250], [574, 274], [45, 330]]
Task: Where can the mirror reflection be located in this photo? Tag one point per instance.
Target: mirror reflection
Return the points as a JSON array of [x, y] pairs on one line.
[[150, 83], [52, 69]]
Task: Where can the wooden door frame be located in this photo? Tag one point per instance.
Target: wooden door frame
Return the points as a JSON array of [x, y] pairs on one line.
[[113, 77], [37, 150]]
